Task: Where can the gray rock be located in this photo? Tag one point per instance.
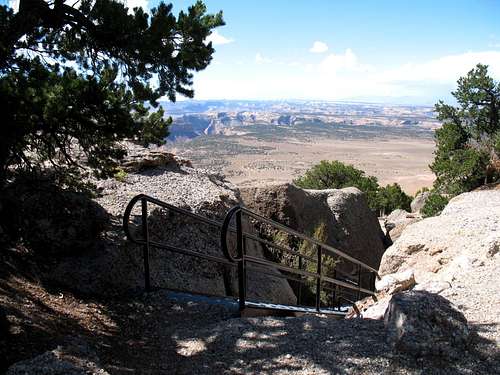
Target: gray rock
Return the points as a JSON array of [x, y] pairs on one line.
[[377, 310], [426, 325], [349, 224], [455, 251], [397, 221], [396, 282], [435, 247], [433, 286], [374, 307], [117, 266], [419, 201], [139, 159]]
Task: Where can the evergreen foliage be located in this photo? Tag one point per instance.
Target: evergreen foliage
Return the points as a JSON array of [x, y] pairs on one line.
[[75, 80], [434, 204], [392, 197], [468, 144]]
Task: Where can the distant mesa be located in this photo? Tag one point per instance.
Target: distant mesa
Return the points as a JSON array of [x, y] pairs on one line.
[[195, 118]]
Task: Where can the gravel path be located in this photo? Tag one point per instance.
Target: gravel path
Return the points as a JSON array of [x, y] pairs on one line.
[[182, 337]]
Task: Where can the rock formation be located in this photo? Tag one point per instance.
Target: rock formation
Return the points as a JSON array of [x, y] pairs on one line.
[[455, 255], [426, 325], [397, 221], [117, 266], [140, 158], [442, 247], [349, 223]]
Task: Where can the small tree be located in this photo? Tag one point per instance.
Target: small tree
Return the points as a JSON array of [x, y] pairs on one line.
[[77, 79], [337, 175], [392, 197], [468, 143]]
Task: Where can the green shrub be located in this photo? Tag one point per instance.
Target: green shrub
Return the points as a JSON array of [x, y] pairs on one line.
[[328, 265], [337, 175], [434, 204], [392, 197], [468, 143]]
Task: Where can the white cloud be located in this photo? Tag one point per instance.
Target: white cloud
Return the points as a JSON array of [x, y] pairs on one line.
[[344, 62], [259, 59], [446, 69], [318, 47], [218, 39], [344, 76]]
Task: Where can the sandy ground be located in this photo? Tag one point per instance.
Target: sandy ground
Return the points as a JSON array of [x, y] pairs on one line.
[[404, 161]]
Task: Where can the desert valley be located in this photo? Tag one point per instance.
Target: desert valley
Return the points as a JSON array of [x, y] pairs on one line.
[[255, 143]]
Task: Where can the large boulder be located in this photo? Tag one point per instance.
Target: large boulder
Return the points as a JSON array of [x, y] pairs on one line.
[[341, 215], [139, 158], [117, 266], [466, 232], [456, 254], [426, 325]]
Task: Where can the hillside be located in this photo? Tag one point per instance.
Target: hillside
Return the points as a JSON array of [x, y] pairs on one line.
[[74, 329]]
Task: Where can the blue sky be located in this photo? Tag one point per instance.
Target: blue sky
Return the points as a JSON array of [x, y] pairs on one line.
[[412, 51]]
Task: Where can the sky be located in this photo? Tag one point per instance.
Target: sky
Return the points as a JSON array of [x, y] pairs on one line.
[[389, 51]]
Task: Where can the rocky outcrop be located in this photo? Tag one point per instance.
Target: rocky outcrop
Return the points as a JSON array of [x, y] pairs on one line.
[[117, 266], [340, 218], [139, 158], [419, 201], [456, 254], [397, 221], [349, 224], [442, 247], [426, 325]]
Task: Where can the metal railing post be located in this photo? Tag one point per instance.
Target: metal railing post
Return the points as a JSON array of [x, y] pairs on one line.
[[145, 254], [300, 283], [241, 262], [359, 282], [334, 291], [318, 280]]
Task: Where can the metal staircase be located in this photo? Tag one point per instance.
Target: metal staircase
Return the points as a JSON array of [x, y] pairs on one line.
[[331, 291]]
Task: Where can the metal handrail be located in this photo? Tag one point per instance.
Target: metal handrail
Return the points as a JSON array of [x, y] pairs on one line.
[[241, 259], [324, 246], [147, 243], [322, 249]]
